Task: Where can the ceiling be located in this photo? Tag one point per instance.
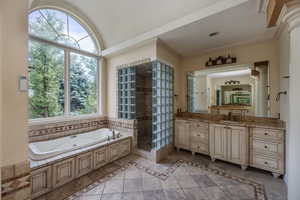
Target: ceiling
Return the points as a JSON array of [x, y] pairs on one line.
[[236, 25], [121, 20], [184, 26]]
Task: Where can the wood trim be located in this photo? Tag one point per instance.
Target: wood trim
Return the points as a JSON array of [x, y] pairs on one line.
[[274, 8]]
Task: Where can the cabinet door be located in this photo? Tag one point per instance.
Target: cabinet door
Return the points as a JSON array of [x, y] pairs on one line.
[[84, 164], [114, 152], [40, 181], [182, 139], [218, 142], [237, 145], [63, 172], [100, 157], [125, 147]]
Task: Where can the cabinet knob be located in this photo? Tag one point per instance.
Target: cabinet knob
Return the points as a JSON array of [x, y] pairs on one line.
[[266, 133], [266, 147], [266, 162]]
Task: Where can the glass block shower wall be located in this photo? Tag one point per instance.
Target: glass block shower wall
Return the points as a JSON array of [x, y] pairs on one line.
[[162, 101], [162, 105], [126, 93]]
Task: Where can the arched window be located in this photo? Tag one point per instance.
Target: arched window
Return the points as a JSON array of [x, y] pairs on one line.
[[63, 66]]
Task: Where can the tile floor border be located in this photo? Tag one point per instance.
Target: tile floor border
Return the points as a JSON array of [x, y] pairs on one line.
[[259, 189]]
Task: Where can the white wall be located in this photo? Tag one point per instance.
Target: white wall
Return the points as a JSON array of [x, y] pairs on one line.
[[133, 55], [294, 113], [284, 56], [14, 141], [168, 56], [1, 46]]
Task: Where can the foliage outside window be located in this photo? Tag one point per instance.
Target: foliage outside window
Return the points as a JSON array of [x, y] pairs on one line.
[[63, 66]]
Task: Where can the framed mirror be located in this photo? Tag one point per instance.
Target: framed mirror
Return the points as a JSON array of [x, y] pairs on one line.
[[235, 87]]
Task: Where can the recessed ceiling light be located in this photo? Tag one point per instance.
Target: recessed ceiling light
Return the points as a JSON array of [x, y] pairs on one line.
[[214, 34]]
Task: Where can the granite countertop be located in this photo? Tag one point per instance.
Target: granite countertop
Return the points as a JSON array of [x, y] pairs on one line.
[[268, 124]]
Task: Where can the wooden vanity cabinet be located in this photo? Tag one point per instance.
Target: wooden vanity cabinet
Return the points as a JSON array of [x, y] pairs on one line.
[[258, 147], [192, 135], [182, 134], [229, 143], [267, 150]]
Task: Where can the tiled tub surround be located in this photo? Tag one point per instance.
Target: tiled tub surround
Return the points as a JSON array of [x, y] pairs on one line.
[[50, 131], [54, 172], [15, 181], [60, 129], [258, 142], [126, 126]]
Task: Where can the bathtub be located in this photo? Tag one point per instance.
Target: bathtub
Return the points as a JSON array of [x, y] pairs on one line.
[[50, 148]]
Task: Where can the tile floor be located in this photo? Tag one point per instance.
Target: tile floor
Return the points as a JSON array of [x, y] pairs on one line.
[[180, 177]]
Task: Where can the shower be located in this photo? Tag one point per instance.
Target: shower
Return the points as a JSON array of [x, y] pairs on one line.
[[145, 93]]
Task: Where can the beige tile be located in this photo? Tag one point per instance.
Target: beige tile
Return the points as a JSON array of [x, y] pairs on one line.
[[215, 193], [195, 194], [95, 190], [170, 183], [132, 196], [113, 186], [133, 185], [22, 168], [175, 194], [90, 197], [154, 195], [186, 181], [7, 172], [113, 196], [133, 173], [23, 194], [151, 184]]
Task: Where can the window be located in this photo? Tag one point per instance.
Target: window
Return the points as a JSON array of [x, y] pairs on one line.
[[63, 66]]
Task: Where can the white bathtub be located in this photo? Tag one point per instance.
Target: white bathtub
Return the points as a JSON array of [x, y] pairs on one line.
[[50, 148]]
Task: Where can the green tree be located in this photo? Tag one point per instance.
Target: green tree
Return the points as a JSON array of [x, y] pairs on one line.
[[83, 84], [46, 77]]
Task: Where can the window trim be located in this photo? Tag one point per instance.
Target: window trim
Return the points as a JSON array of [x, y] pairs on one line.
[[67, 112], [65, 118], [91, 29]]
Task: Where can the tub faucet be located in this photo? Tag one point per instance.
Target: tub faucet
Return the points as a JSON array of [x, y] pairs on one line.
[[113, 134]]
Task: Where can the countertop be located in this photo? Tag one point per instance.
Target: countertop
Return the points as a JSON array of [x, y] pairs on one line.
[[267, 124]]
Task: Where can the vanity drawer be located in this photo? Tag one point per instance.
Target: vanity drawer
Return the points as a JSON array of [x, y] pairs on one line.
[[199, 137], [267, 133], [199, 147], [198, 124], [268, 147], [268, 163]]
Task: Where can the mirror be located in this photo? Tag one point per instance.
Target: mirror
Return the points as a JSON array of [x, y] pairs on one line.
[[240, 87]]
